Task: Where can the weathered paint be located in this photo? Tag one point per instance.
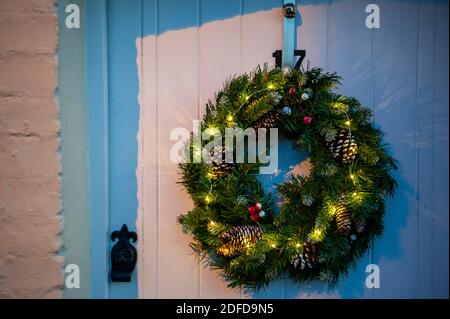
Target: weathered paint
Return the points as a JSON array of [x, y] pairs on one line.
[[124, 25], [98, 144]]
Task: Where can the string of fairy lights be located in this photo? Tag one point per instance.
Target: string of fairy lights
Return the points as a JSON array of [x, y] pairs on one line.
[[317, 232], [325, 220]]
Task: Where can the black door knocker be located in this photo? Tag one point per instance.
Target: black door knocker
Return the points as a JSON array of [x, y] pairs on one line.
[[123, 255]]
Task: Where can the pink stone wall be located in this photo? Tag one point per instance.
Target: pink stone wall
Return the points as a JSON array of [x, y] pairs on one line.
[[30, 187]]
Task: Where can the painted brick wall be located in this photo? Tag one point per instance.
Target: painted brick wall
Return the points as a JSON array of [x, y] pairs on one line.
[[30, 266]]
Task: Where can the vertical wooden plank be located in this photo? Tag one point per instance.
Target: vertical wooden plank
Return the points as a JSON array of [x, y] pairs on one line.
[[262, 34], [177, 105], [312, 33], [219, 46], [219, 58], [425, 82], [74, 149], [352, 59], [148, 153], [124, 26], [396, 110], [98, 147], [352, 49], [440, 154]]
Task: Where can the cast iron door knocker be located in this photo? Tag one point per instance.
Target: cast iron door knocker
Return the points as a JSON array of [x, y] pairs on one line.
[[123, 255]]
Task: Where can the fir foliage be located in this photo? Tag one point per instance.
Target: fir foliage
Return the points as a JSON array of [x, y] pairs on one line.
[[309, 203]]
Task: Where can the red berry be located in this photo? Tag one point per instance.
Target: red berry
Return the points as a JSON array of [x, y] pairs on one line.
[[307, 120], [255, 217], [252, 210], [292, 91]]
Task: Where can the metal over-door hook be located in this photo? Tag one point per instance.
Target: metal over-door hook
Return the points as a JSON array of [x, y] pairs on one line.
[[123, 255], [289, 10]]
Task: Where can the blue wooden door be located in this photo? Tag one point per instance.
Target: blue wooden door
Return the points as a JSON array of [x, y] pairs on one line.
[[156, 63]]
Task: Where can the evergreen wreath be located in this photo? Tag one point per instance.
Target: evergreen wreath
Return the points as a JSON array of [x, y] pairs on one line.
[[327, 220]]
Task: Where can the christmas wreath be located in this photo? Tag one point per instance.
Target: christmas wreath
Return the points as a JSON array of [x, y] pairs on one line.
[[326, 220]]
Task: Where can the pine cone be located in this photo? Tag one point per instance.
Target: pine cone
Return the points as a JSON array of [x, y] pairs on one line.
[[268, 120], [237, 238], [343, 221], [228, 250], [343, 147], [307, 258], [360, 225], [221, 168]]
